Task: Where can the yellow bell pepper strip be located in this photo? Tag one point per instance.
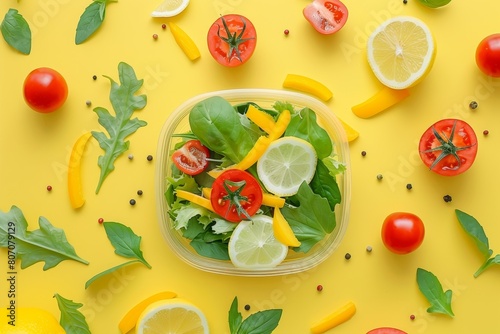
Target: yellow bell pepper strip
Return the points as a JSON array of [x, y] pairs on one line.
[[184, 41], [261, 118], [75, 190], [282, 230], [254, 154], [267, 199], [336, 318], [196, 199], [307, 85], [129, 320], [281, 124], [383, 99], [350, 132]]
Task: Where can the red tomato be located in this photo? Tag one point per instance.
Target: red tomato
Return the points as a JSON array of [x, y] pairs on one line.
[[488, 55], [236, 195], [231, 40], [402, 232], [45, 90], [326, 16], [386, 330], [448, 147], [191, 158]]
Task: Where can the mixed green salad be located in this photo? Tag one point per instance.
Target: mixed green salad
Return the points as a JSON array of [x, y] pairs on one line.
[[222, 151]]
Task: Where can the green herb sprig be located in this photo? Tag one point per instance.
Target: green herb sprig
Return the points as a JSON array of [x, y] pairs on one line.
[[72, 320], [431, 288], [16, 31], [262, 322]]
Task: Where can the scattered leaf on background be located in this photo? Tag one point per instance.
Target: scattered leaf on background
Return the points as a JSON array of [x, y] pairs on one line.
[[16, 31], [72, 320], [431, 288]]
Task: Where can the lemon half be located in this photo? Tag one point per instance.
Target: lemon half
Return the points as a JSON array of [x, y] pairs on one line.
[[169, 8]]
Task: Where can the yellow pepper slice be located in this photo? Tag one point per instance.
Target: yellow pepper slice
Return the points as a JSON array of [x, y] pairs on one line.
[[184, 41], [383, 99], [281, 124], [267, 199], [307, 85], [351, 133], [336, 318], [282, 230], [196, 199], [261, 118], [254, 154], [75, 190]]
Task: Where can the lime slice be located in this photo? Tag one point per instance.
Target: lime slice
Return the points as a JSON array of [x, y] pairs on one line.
[[287, 163], [253, 245], [169, 8]]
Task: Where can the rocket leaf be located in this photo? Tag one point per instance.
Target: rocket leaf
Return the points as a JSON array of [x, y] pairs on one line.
[[48, 244], [431, 288], [72, 320], [120, 126]]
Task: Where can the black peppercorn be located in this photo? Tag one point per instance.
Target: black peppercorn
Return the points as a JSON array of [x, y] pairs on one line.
[[447, 198]]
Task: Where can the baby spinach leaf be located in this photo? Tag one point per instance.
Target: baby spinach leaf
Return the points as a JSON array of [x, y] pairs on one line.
[[262, 322], [324, 184], [235, 317], [304, 125], [218, 126], [72, 320], [120, 126], [434, 3], [431, 288], [312, 220], [91, 20], [16, 31], [47, 244]]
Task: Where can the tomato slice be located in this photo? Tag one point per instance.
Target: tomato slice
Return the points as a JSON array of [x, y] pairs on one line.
[[448, 147], [191, 158], [326, 16], [386, 330], [236, 195], [231, 40]]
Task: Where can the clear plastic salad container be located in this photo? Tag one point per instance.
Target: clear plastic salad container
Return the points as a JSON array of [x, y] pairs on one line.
[[295, 262]]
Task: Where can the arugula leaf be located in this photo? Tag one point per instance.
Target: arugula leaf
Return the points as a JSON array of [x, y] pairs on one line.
[[16, 31], [72, 320], [262, 322], [120, 126], [325, 185], [312, 220], [91, 20], [47, 244], [126, 244], [431, 288], [490, 262], [434, 3], [303, 125]]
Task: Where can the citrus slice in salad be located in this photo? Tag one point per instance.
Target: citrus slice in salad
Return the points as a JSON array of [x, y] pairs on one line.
[[169, 8], [285, 164], [253, 245], [401, 52], [172, 316]]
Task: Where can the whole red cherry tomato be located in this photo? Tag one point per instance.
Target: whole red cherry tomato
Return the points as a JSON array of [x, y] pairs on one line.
[[45, 90], [231, 40], [326, 16], [402, 232], [448, 147], [236, 195], [488, 55], [191, 158]]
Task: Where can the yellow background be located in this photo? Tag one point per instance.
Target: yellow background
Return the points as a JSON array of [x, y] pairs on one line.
[[34, 151]]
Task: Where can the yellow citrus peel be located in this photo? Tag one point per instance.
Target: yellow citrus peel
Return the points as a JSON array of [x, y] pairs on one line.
[[184, 41], [336, 318], [383, 99], [129, 321], [307, 85], [282, 230], [75, 190]]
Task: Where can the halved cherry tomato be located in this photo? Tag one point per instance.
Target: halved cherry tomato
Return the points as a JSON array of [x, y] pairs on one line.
[[488, 55], [386, 330], [191, 158], [236, 195], [231, 40], [326, 16], [402, 232], [45, 90], [448, 147]]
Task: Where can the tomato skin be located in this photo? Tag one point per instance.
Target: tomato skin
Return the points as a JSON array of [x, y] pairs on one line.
[[386, 330], [219, 49], [402, 232], [326, 16], [488, 55], [191, 158], [251, 190], [464, 137], [45, 90]]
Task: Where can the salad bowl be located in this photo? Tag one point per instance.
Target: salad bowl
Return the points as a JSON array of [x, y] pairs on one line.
[[295, 262]]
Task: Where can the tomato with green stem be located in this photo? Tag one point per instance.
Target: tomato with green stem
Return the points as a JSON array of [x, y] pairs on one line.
[[402, 232], [236, 195], [386, 330], [45, 90], [232, 40], [326, 16], [488, 55], [192, 157], [448, 147]]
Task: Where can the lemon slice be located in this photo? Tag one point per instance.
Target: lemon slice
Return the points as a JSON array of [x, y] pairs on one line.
[[172, 316], [285, 164], [401, 52], [169, 8], [253, 245]]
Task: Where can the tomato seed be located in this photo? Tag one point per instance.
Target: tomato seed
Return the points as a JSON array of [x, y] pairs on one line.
[[132, 201], [247, 307], [49, 188], [319, 287], [473, 105], [155, 36], [100, 220], [447, 198], [347, 256], [486, 132]]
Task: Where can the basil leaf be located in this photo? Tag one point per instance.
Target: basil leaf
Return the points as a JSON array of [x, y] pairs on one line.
[[431, 288], [108, 271], [476, 231], [434, 3], [90, 21], [72, 320], [234, 316], [490, 262], [16, 31], [262, 322], [125, 241]]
